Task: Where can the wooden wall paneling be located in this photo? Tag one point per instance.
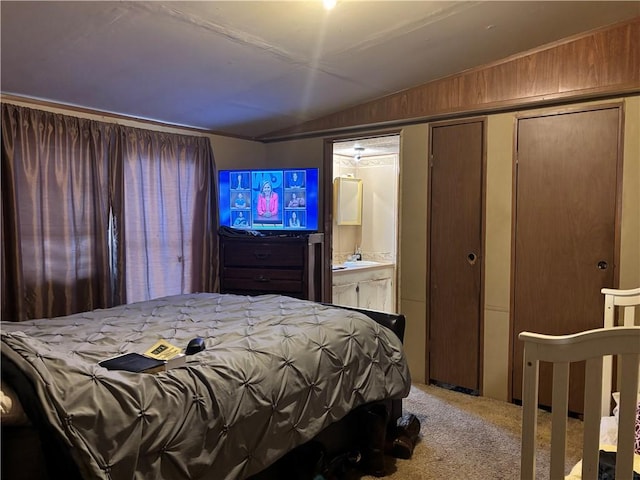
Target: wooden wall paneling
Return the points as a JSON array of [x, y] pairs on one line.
[[596, 64], [535, 75]]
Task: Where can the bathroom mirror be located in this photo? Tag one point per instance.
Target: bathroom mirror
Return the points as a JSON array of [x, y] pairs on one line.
[[347, 201]]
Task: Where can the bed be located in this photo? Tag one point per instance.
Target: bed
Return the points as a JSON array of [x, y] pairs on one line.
[[277, 373], [611, 443]]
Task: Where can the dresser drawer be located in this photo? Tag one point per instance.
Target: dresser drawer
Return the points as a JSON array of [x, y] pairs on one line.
[[256, 254], [261, 280], [286, 265]]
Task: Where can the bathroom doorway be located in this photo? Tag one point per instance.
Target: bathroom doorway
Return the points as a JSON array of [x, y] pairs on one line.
[[364, 256]]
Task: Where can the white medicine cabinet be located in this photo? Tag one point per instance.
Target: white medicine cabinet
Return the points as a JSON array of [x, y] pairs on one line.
[[347, 200]]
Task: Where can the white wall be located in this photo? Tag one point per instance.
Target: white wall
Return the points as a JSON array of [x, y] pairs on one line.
[[377, 236], [380, 208]]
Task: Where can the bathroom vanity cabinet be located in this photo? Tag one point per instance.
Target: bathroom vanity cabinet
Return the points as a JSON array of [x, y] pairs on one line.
[[368, 286]]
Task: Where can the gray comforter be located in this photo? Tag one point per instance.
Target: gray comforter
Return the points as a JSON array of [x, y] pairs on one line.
[[276, 371]]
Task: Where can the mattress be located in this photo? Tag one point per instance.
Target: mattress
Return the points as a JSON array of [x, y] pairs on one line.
[[275, 372], [608, 440], [576, 471]]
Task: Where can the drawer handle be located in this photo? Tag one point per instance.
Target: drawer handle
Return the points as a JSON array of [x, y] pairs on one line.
[[262, 255], [262, 279]]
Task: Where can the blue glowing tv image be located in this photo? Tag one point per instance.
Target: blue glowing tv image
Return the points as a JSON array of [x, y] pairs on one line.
[[269, 200]]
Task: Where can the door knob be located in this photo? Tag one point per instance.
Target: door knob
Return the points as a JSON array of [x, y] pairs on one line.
[[472, 258], [602, 265]]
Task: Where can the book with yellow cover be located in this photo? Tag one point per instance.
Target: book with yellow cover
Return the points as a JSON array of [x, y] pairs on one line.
[[163, 350]]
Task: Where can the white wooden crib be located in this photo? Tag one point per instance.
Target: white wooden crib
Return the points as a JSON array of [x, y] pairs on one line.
[[627, 302], [596, 347]]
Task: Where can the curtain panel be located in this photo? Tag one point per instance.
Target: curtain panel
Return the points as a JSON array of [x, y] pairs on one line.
[[97, 214], [167, 187]]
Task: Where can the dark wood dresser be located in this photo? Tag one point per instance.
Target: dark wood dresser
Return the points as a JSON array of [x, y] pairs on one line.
[[286, 265]]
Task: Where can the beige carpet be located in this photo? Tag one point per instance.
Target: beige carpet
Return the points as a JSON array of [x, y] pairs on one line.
[[466, 437]]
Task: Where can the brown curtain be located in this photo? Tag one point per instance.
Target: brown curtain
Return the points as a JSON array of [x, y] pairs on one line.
[[55, 213], [94, 213]]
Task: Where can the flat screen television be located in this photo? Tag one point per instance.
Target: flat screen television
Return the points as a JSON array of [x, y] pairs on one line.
[[269, 200]]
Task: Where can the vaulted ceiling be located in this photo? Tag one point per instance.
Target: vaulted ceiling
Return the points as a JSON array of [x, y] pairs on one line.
[[248, 68]]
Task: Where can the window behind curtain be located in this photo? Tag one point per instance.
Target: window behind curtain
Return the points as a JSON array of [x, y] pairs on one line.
[[97, 214], [167, 220], [55, 213]]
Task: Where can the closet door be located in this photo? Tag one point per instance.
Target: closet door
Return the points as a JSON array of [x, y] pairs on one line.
[[455, 254], [565, 230]]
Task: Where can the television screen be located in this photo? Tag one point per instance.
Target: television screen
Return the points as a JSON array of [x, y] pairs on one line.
[[269, 200]]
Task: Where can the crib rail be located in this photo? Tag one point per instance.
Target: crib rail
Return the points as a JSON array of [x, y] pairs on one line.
[[591, 346], [626, 302]]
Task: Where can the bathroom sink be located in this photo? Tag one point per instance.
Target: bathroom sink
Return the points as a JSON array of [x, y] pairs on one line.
[[361, 263]]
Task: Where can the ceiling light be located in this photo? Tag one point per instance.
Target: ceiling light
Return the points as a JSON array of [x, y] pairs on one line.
[[329, 4], [357, 155]]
